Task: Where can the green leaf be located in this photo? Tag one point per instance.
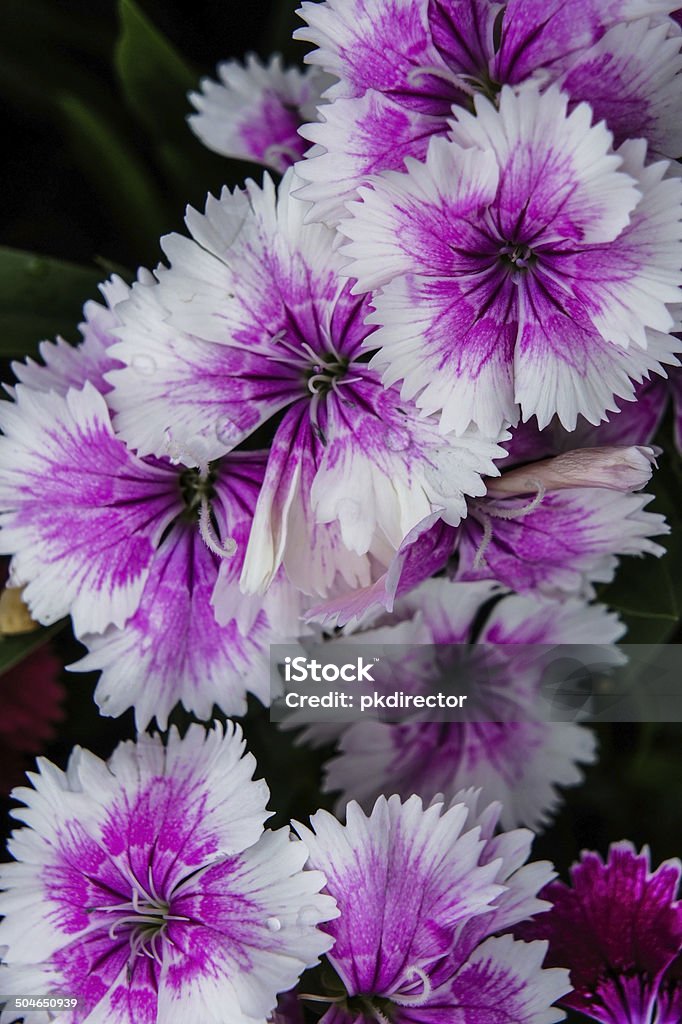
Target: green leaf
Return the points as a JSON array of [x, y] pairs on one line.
[[643, 588], [154, 78], [155, 81], [129, 194], [39, 298], [13, 649]]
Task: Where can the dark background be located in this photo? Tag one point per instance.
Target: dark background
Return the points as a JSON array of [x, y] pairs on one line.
[[84, 179]]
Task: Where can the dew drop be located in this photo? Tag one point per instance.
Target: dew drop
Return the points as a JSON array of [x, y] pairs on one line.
[[143, 364], [308, 916], [397, 440], [273, 924]]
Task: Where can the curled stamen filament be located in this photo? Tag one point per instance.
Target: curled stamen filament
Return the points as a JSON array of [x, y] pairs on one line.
[[519, 513], [321, 378], [224, 549], [420, 998], [490, 512]]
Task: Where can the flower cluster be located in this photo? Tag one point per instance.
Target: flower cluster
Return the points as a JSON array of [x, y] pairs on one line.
[[404, 392]]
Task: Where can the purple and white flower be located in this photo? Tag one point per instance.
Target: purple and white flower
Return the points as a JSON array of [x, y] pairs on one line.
[[522, 268], [618, 928], [147, 887], [353, 468], [255, 110], [508, 748], [403, 66], [421, 893], [131, 548]]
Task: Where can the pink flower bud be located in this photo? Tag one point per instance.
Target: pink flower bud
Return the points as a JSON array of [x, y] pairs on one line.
[[617, 468]]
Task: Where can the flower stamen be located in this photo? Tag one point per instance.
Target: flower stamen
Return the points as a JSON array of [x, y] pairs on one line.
[[223, 549], [487, 511]]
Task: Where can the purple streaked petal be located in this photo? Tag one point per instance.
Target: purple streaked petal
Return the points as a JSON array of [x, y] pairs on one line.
[[669, 1002], [570, 541], [177, 390], [173, 650], [450, 355], [252, 932], [403, 879], [377, 44], [631, 79], [81, 514], [402, 465], [356, 138], [559, 181], [173, 810], [107, 991], [426, 221], [502, 973], [463, 33], [547, 34]]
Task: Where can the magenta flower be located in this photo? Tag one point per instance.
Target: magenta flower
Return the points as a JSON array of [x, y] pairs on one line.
[[618, 928], [420, 893], [403, 66], [147, 887], [256, 109], [522, 268], [352, 468]]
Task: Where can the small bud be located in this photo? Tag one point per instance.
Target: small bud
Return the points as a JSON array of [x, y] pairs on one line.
[[617, 468]]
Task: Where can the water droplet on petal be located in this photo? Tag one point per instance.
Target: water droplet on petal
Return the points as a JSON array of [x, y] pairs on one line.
[[397, 440], [273, 924], [308, 916], [143, 364]]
